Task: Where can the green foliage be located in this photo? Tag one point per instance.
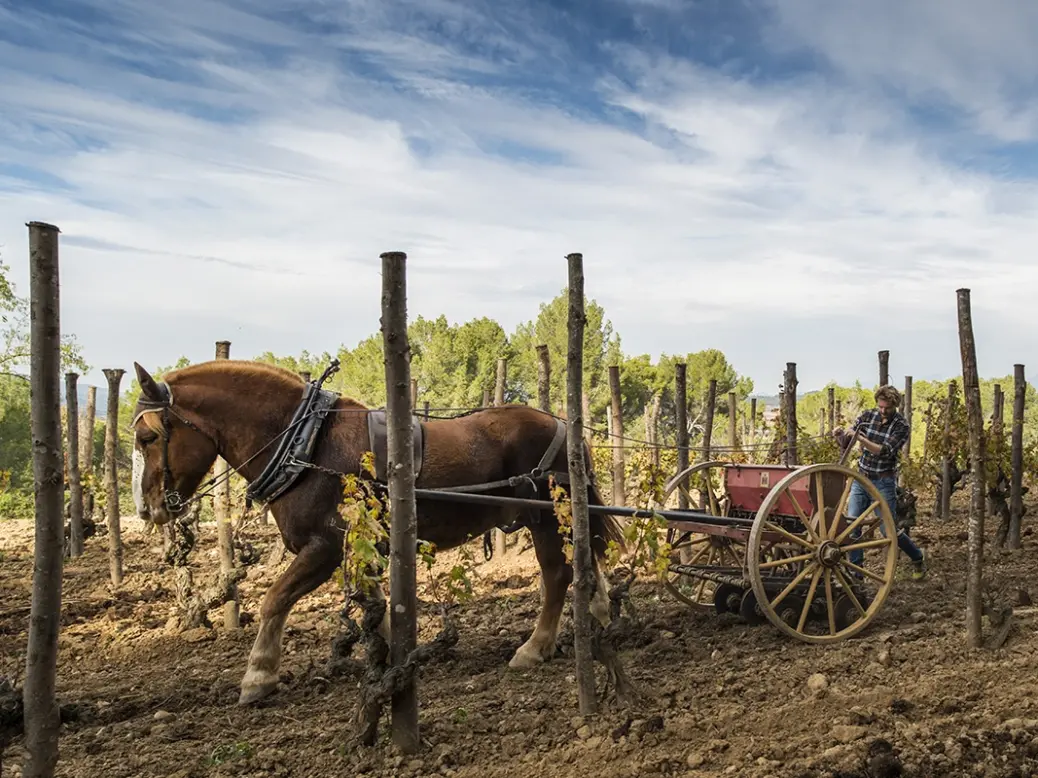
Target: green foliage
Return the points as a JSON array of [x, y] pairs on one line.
[[14, 332]]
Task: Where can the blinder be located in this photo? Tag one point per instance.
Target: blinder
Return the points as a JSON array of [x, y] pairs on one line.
[[164, 406]]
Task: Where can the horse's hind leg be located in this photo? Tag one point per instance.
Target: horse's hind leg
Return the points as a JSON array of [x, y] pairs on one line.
[[314, 564]]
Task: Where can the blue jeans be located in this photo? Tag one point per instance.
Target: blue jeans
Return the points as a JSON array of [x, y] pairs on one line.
[[860, 500]]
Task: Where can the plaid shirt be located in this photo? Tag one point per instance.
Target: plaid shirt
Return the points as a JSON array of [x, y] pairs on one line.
[[891, 436]]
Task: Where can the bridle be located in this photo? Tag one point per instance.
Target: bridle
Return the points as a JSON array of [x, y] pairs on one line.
[[163, 406], [261, 488]]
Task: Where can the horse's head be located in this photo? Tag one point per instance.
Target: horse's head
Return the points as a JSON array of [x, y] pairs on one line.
[[171, 454]]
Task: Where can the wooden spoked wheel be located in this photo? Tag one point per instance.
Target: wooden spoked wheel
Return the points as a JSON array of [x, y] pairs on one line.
[[818, 591], [703, 483]]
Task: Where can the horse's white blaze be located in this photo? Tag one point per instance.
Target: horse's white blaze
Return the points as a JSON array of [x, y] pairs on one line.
[[137, 479]]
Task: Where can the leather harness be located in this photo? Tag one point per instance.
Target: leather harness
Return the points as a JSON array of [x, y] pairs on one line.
[[295, 450]]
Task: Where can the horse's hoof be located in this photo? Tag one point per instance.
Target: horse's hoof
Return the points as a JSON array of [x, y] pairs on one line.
[[525, 658], [256, 692]]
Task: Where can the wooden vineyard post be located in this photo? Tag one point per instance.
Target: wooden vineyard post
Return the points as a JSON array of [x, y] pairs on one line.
[[681, 420], [543, 378], [426, 409], [222, 511], [839, 413], [75, 486], [414, 395], [1016, 497], [486, 398], [946, 459], [115, 538], [753, 420], [790, 393], [403, 538], [86, 450], [732, 432], [821, 422], [975, 542], [831, 408], [708, 431], [906, 411], [583, 578], [41, 713], [884, 368], [500, 539], [616, 403], [502, 380]]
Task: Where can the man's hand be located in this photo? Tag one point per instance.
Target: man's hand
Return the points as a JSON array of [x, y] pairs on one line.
[[867, 444]]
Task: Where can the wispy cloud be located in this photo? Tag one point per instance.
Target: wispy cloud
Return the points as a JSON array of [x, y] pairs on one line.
[[737, 175]]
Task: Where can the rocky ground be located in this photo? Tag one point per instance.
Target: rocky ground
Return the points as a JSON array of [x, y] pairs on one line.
[[905, 698]]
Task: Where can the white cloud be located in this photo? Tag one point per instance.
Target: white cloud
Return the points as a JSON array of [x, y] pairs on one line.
[[737, 213]]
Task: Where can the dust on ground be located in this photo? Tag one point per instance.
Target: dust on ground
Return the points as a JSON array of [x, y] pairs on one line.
[[723, 698]]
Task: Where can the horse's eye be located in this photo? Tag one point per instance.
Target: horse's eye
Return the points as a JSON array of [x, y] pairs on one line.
[[148, 438]]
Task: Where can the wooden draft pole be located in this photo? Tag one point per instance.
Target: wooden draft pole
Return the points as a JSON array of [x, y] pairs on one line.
[[222, 511], [403, 532], [884, 368], [975, 542], [1016, 494], [75, 485], [681, 420], [616, 403], [583, 576], [790, 393], [42, 718], [543, 378], [115, 537]]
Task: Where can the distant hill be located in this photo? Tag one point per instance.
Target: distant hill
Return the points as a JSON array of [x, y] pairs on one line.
[[81, 391]]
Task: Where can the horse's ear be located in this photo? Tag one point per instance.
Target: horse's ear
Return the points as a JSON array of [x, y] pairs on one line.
[[148, 386]]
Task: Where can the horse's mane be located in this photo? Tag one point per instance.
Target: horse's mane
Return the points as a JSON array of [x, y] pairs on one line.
[[241, 370]]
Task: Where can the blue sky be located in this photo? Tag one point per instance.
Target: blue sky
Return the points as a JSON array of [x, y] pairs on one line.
[[801, 180]]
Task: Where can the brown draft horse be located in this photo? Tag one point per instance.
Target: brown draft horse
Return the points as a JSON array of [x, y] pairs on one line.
[[237, 409]]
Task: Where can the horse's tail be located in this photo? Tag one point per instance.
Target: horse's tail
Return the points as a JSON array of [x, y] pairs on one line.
[[604, 527]]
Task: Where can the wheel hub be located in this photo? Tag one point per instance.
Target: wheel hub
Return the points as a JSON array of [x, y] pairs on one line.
[[829, 554]]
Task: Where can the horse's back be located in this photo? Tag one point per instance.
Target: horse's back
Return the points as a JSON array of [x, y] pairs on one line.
[[485, 445]]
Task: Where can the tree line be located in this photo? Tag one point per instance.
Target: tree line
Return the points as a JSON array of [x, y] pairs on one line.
[[455, 367]]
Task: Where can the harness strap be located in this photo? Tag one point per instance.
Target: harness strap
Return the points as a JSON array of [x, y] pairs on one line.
[[294, 451]]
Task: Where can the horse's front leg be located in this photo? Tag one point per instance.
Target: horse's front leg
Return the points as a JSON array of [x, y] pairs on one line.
[[314, 564], [556, 575]]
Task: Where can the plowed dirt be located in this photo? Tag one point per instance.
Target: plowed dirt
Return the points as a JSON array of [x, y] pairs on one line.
[[904, 698]]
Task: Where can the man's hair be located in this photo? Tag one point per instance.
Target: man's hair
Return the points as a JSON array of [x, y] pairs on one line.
[[890, 394]]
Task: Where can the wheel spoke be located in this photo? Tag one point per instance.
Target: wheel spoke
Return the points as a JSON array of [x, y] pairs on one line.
[[877, 543], [810, 596], [829, 601], [841, 507], [863, 571], [802, 516], [792, 585], [857, 522], [850, 592], [785, 561], [788, 536], [820, 507]]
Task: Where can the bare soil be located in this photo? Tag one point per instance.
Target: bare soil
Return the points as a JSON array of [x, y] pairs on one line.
[[906, 697]]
